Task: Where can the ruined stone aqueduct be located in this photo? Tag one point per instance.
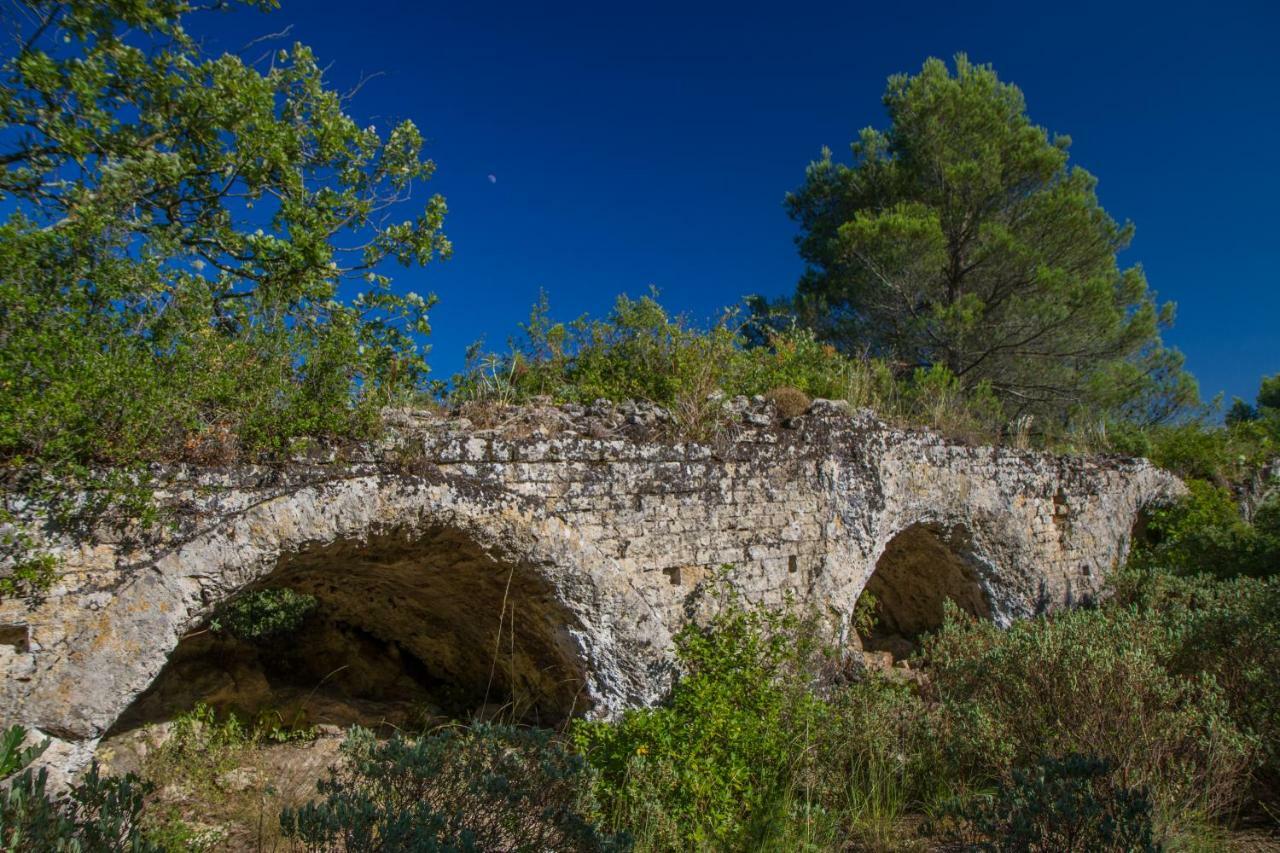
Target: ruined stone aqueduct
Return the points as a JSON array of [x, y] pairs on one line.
[[550, 558]]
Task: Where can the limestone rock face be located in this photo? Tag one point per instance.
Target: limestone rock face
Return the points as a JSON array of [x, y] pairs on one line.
[[549, 558]]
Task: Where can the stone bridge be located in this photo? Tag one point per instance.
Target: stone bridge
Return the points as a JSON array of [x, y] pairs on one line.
[[544, 558]]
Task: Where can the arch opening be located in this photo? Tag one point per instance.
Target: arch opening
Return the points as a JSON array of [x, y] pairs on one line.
[[1142, 535], [406, 630], [920, 569]]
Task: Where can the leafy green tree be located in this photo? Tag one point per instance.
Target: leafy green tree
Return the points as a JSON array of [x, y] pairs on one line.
[[1269, 393], [179, 227], [1240, 413], [960, 236], [1268, 403]]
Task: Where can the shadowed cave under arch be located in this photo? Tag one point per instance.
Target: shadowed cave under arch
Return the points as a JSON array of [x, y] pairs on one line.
[[921, 568], [408, 629]]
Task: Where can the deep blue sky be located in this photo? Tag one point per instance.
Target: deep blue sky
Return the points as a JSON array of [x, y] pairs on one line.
[[651, 144]]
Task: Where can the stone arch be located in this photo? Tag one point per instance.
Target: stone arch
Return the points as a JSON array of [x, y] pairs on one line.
[[920, 568], [407, 626], [586, 639], [1140, 534]]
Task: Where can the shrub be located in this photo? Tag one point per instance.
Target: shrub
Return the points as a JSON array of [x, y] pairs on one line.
[[738, 728], [1161, 593], [639, 351], [30, 573], [97, 816], [218, 786], [25, 569], [1221, 455], [791, 356], [1229, 631], [1088, 681], [1235, 637], [263, 613], [1068, 805], [487, 788], [1205, 532]]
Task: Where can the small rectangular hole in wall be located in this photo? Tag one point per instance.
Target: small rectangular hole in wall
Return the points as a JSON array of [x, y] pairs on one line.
[[792, 564], [673, 575], [14, 635]]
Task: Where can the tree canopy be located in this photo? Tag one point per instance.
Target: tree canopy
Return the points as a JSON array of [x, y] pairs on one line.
[[178, 230], [1267, 408], [962, 237]]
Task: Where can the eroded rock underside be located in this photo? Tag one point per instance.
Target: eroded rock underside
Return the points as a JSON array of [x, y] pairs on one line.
[[543, 564]]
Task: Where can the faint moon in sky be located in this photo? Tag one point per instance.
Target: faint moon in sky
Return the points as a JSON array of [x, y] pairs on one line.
[[493, 179]]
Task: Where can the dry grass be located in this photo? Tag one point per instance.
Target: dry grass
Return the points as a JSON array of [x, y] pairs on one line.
[[789, 402]]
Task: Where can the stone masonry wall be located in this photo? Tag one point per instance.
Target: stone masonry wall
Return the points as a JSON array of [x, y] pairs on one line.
[[605, 530]]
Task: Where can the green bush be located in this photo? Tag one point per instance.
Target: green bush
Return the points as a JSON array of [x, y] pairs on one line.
[[793, 357], [1205, 532], [640, 351], [1226, 456], [1235, 637], [219, 783], [263, 613], [1068, 805], [202, 743], [1204, 451], [750, 753], [1229, 631], [735, 734], [1091, 682], [98, 815], [487, 788]]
